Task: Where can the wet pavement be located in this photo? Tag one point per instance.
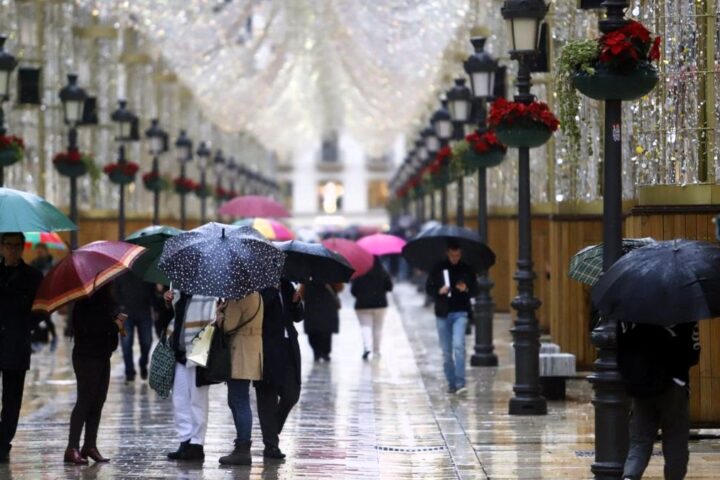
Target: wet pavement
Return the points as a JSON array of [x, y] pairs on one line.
[[388, 418]]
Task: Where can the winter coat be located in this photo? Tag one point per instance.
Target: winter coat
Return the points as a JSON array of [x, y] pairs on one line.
[[280, 338], [246, 343], [94, 329], [135, 296], [18, 286], [370, 290], [458, 301], [322, 307]]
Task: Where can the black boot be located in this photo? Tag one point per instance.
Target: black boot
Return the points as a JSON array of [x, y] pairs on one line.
[[193, 452], [239, 456], [176, 454], [273, 452]]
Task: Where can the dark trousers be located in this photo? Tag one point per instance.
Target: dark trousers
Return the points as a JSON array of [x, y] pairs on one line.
[[93, 380], [144, 329], [670, 412], [321, 343], [13, 382], [274, 403]]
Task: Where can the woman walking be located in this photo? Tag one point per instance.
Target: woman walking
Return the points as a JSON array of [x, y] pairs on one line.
[[370, 292], [96, 324], [321, 316]]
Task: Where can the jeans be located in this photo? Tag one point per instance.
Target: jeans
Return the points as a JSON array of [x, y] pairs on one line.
[[451, 332], [144, 328], [93, 380], [13, 383], [239, 403]]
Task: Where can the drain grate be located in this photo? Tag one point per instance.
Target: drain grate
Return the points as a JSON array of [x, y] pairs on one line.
[[432, 448]]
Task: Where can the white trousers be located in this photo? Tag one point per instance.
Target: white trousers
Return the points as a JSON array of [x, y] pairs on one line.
[[371, 324], [190, 406]]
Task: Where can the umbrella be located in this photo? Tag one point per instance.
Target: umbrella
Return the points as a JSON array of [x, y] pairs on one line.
[[253, 206], [25, 212], [50, 239], [270, 229], [429, 247], [382, 244], [663, 283], [359, 258], [83, 271], [221, 260], [312, 261], [587, 264], [153, 238]]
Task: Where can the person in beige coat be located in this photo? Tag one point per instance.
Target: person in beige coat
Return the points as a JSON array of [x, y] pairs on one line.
[[242, 320]]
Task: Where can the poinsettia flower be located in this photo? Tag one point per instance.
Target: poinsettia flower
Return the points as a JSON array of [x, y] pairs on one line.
[[654, 53]]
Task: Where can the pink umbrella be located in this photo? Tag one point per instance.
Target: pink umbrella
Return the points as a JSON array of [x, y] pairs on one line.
[[253, 206], [382, 244], [358, 258]]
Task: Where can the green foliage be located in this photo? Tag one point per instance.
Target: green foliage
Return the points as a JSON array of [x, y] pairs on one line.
[[457, 167]]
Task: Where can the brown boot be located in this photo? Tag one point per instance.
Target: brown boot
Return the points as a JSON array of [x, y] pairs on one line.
[[72, 455], [239, 456], [93, 453]]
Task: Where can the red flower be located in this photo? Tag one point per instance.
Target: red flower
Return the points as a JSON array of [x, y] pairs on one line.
[[654, 53], [184, 183], [621, 49], [129, 169], [11, 141], [71, 157], [506, 114], [483, 143], [150, 177]]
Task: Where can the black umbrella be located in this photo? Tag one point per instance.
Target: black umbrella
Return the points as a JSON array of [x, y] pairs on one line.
[[220, 260], [312, 261], [429, 247], [663, 283]]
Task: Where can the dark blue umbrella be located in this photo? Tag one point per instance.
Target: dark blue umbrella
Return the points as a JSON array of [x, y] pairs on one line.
[[429, 247], [312, 261], [221, 260], [664, 283]]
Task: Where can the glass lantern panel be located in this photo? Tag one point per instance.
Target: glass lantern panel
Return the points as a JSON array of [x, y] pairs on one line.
[[156, 145], [4, 83], [73, 111], [524, 34], [443, 128], [482, 84], [432, 143], [459, 110]]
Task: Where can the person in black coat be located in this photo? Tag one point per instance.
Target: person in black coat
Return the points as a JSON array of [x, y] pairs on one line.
[[322, 317], [18, 284], [279, 390], [370, 292], [137, 299], [96, 323]]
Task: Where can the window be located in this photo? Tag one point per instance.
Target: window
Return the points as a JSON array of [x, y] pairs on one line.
[[377, 194], [330, 197]]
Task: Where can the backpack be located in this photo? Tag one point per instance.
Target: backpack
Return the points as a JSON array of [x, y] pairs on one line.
[[642, 359]]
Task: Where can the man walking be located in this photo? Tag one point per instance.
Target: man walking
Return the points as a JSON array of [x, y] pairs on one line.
[[451, 283], [136, 298], [18, 284]]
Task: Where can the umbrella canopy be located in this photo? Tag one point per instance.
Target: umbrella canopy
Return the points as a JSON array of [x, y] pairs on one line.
[[83, 271], [153, 238], [269, 228], [587, 264], [25, 212], [382, 244], [663, 283], [50, 239], [221, 260], [359, 258], [312, 261], [253, 206], [429, 247]]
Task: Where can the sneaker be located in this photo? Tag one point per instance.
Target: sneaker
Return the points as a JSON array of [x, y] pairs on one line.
[[461, 390], [451, 390]]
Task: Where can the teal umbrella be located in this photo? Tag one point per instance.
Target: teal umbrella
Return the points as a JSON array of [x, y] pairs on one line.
[[153, 238], [25, 212]]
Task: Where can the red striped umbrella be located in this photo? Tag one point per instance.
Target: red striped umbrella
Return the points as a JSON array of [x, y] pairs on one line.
[[83, 271], [253, 206], [358, 258]]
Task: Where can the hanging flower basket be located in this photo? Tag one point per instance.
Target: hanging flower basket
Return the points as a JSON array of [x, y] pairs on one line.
[[74, 164], [12, 150], [203, 192], [121, 173], [479, 150], [184, 185], [522, 125], [154, 182], [605, 84], [439, 169]]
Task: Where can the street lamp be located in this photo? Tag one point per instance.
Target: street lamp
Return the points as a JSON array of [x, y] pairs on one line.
[[7, 64], [459, 102], [442, 124], [156, 139], [124, 119], [523, 19], [203, 153], [432, 145], [183, 149], [72, 98], [481, 68]]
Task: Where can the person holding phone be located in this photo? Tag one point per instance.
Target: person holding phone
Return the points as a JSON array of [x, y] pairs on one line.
[[96, 323]]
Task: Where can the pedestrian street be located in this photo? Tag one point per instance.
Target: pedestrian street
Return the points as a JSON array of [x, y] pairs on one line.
[[388, 418]]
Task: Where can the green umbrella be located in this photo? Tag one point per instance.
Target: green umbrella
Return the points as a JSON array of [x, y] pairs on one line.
[[153, 238], [586, 265], [25, 212]]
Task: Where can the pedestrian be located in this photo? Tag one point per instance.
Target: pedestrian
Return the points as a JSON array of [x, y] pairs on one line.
[[451, 283], [654, 363], [96, 323], [18, 284], [322, 317], [43, 261], [242, 321], [136, 299], [189, 314], [279, 390], [370, 292]]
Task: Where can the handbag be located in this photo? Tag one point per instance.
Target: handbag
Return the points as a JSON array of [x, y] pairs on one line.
[[162, 368], [200, 345]]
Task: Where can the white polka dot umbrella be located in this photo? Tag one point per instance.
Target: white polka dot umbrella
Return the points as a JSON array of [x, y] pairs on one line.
[[221, 260]]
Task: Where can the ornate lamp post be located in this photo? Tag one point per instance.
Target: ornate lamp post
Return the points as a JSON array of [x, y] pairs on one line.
[[481, 67], [124, 119], [459, 97], [156, 137], [523, 20], [432, 145], [7, 64], [203, 153], [73, 100], [183, 148], [442, 123], [422, 157]]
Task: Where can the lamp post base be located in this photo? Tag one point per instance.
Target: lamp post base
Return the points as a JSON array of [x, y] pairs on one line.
[[528, 406], [484, 360]]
